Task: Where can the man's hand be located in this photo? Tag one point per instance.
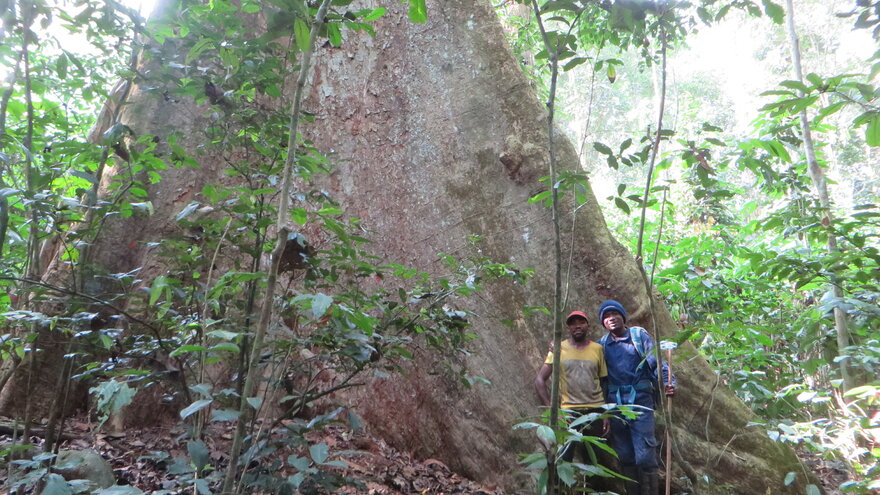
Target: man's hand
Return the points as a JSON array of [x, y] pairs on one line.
[[670, 390]]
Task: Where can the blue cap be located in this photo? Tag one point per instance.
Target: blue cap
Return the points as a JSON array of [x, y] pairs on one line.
[[609, 305]]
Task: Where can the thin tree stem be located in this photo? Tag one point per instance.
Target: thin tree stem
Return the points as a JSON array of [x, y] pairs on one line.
[[818, 177], [280, 241], [553, 55], [656, 146]]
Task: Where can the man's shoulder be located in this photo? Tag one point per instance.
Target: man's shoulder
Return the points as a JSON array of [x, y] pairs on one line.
[[640, 334], [567, 346]]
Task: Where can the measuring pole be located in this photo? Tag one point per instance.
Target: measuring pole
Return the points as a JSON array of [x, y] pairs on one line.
[[668, 346]]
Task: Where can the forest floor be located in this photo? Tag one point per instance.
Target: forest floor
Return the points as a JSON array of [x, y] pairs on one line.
[[139, 459]]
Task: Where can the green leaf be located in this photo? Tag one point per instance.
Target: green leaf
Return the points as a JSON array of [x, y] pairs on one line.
[[203, 487], [418, 11], [198, 454], [602, 445], [197, 49], [763, 339], [622, 205], [612, 162], [566, 473], [186, 349], [84, 175], [255, 402], [354, 421], [194, 408], [547, 434], [56, 485], [774, 11], [119, 490], [319, 452], [299, 215], [375, 14], [813, 490], [302, 33], [299, 463], [334, 34], [61, 66], [226, 346], [272, 91], [872, 133], [554, 5], [541, 196], [251, 8], [320, 304], [156, 289], [704, 15], [571, 64], [796, 85], [601, 148], [222, 334], [789, 478], [830, 110], [814, 79], [224, 415]]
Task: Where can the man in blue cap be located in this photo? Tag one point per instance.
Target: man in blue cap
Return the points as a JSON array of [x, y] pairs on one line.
[[632, 379]]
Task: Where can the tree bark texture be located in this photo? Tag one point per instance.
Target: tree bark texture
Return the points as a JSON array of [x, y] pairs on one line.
[[438, 136]]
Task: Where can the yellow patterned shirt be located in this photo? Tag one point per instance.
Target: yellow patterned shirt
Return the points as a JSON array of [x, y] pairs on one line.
[[582, 368]]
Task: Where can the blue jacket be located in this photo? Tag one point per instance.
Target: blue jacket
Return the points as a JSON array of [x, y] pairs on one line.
[[631, 374]]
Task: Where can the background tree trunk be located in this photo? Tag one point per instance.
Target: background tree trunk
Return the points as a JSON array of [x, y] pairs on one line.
[[439, 137]]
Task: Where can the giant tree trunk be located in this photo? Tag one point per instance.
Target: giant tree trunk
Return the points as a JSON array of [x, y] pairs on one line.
[[441, 112], [440, 137]]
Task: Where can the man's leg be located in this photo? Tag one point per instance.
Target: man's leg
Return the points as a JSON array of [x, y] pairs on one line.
[[649, 481], [622, 442], [645, 453]]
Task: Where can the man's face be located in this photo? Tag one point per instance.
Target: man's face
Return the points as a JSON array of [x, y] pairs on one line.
[[577, 328], [613, 320]]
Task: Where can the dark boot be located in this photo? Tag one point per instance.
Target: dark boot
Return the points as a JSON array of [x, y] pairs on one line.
[[649, 480], [632, 472]]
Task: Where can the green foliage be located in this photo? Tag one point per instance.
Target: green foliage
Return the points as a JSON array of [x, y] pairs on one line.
[[344, 313], [111, 397], [742, 257], [554, 442]]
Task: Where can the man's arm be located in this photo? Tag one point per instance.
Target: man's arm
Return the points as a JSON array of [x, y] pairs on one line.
[[541, 383], [669, 383]]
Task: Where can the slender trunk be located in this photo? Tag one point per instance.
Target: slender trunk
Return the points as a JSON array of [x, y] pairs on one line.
[[280, 241], [553, 52], [818, 177], [34, 268], [649, 283]]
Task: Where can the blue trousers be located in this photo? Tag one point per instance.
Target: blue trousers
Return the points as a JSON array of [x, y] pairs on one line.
[[633, 439]]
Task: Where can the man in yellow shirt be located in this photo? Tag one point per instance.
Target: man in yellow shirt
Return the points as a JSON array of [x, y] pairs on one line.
[[583, 365]]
